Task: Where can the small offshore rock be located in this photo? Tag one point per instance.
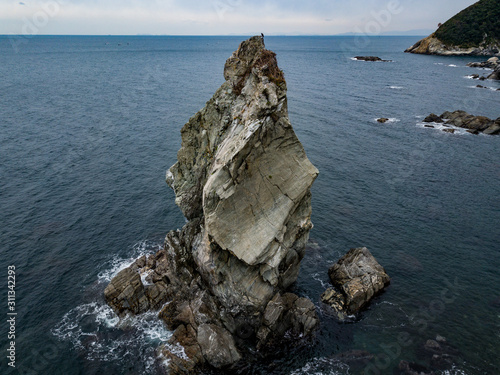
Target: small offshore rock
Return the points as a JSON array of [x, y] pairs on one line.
[[449, 131], [428, 126], [382, 120], [370, 58], [358, 277]]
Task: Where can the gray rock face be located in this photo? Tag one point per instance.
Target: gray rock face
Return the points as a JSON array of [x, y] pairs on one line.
[[126, 293], [249, 178], [242, 179], [217, 345], [358, 277]]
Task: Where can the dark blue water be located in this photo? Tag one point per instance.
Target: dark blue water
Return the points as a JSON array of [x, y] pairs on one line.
[[89, 125]]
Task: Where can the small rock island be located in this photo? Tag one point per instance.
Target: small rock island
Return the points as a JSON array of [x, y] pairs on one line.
[[242, 180]]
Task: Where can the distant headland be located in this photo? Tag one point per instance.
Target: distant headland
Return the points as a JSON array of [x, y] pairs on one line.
[[473, 31]]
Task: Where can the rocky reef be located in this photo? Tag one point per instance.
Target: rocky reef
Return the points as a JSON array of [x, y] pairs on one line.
[[492, 63], [461, 119], [357, 277], [473, 31], [242, 180], [370, 58]]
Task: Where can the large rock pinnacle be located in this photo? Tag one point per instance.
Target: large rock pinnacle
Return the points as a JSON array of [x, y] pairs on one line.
[[242, 179], [242, 168]]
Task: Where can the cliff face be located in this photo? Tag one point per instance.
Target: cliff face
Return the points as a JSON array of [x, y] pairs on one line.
[[473, 31], [243, 181], [248, 175]]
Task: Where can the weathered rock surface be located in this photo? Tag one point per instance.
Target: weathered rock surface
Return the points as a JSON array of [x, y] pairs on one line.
[[370, 58], [357, 278], [242, 179], [461, 119]]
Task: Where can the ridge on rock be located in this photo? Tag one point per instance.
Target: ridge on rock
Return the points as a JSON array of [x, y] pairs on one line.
[[242, 180]]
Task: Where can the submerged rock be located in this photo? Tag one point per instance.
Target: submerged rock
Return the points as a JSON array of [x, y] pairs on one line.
[[242, 179], [357, 278]]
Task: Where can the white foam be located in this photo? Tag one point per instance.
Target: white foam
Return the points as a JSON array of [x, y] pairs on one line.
[[92, 329], [440, 126], [144, 275], [484, 87], [322, 366], [117, 264], [396, 87], [317, 277], [453, 66], [454, 371]]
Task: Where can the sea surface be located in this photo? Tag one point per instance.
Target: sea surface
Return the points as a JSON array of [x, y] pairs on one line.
[[89, 126]]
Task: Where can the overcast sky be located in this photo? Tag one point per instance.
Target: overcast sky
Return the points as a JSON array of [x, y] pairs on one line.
[[223, 17]]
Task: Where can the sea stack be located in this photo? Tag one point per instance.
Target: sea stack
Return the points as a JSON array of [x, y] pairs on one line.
[[242, 180], [473, 31]]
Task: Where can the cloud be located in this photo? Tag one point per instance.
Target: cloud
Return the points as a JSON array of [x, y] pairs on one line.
[[190, 17]]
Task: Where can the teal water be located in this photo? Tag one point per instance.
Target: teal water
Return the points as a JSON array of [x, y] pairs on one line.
[[89, 125]]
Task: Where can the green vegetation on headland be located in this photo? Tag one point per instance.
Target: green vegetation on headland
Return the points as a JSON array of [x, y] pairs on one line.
[[477, 24]]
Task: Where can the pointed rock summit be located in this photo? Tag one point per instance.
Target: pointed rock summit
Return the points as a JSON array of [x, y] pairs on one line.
[[242, 179]]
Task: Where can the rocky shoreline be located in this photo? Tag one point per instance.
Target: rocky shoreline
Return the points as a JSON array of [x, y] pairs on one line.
[[431, 45], [492, 63], [461, 119]]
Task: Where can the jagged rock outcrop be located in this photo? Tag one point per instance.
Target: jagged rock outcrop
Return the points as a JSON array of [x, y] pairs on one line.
[[473, 31], [492, 63], [357, 278], [496, 73], [461, 119], [242, 179]]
